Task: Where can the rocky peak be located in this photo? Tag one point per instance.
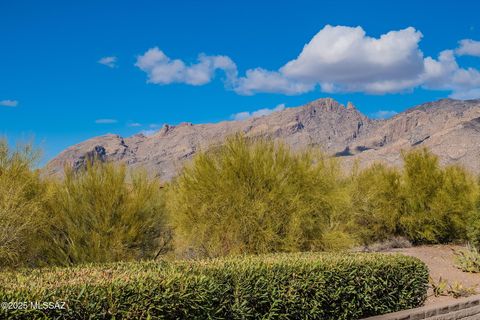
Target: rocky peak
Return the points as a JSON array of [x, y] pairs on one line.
[[98, 153], [325, 103], [166, 128], [449, 127]]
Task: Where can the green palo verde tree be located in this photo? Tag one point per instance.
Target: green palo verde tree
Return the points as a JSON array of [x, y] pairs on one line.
[[436, 202], [255, 197], [22, 198], [473, 223], [104, 213], [423, 202], [376, 203]]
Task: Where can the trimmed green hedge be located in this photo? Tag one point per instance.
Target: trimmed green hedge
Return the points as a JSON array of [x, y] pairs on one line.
[[285, 286]]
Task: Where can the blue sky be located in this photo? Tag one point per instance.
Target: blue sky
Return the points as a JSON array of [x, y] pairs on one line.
[[71, 70]]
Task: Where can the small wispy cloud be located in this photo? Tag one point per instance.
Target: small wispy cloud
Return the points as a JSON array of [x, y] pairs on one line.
[[466, 95], [110, 61], [8, 103], [148, 132], [105, 121], [259, 113], [134, 124], [154, 125], [383, 114]]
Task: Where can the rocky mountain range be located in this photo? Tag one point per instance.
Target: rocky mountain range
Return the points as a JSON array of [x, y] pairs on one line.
[[449, 128]]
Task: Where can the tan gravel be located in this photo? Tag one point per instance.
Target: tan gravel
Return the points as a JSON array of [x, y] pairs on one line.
[[440, 261]]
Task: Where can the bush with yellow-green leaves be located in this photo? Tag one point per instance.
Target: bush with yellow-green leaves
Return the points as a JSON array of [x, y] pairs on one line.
[[105, 213], [422, 201], [258, 197], [242, 197], [23, 195]]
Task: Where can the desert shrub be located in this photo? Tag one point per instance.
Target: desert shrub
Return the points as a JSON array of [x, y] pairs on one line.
[[454, 203], [103, 214], [456, 289], [397, 242], [335, 240], [286, 286], [376, 204], [473, 228], [422, 179], [256, 197], [436, 202], [424, 202], [473, 223], [22, 196], [468, 259]]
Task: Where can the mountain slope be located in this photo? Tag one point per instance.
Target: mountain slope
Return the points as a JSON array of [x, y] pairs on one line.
[[450, 128]]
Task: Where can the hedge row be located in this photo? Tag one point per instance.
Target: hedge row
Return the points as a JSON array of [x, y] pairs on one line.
[[293, 286]]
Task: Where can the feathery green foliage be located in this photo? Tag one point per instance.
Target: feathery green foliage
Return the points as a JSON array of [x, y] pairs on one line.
[[292, 286], [421, 180], [473, 223], [257, 197], [423, 201], [376, 203], [246, 196], [436, 202], [22, 196], [473, 228], [104, 214]]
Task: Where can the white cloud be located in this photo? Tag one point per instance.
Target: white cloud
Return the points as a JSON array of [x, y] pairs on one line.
[[468, 47], [110, 62], [261, 80], [466, 94], [241, 115], [8, 103], [337, 59], [445, 74], [383, 114], [134, 124], [148, 132], [162, 70], [352, 61], [105, 121], [344, 59], [259, 113]]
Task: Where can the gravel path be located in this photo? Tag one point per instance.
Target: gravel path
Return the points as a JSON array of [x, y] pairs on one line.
[[440, 261]]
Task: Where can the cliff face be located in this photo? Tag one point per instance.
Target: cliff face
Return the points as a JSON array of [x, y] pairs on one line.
[[450, 128]]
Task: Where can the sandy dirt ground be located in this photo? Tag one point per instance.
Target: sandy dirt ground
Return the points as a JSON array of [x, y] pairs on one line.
[[440, 261]]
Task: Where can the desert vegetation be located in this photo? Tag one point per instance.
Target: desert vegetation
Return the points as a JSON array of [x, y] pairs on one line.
[[422, 202], [280, 286], [23, 195], [242, 198], [258, 198], [103, 213]]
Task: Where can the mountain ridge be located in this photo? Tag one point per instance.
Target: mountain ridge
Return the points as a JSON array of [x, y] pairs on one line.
[[450, 128]]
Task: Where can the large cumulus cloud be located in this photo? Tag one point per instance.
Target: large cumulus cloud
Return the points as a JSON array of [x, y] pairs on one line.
[[336, 59]]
